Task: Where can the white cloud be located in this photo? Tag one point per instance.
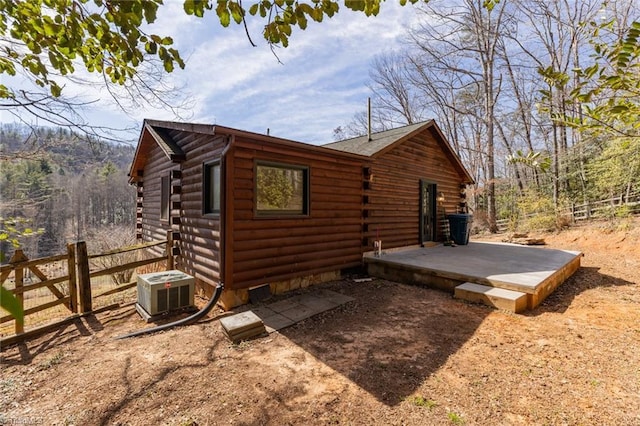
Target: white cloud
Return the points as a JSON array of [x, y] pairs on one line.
[[320, 84]]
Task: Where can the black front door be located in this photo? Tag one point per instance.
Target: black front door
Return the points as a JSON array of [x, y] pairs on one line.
[[427, 211]]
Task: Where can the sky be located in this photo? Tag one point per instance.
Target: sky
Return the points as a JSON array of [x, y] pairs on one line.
[[319, 85]]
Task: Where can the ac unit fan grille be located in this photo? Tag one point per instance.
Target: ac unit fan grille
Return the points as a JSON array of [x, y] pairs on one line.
[[173, 298]]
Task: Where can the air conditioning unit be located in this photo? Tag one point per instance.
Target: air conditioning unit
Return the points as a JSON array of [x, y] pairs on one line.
[[161, 292]]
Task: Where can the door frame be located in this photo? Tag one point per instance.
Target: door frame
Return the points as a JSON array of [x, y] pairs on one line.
[[433, 208]]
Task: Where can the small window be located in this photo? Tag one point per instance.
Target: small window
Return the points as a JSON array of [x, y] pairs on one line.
[[165, 197], [211, 188], [282, 189]]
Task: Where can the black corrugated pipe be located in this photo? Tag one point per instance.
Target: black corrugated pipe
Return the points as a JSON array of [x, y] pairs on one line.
[[185, 321], [218, 291]]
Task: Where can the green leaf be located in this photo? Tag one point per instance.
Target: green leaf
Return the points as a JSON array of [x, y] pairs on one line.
[[619, 109], [10, 303], [286, 29], [50, 29], [490, 4], [589, 72], [151, 47], [56, 90], [150, 11], [302, 22], [189, 7], [236, 12], [176, 57], [196, 7], [223, 13]]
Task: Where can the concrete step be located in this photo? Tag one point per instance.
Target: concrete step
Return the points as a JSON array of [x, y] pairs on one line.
[[500, 298]]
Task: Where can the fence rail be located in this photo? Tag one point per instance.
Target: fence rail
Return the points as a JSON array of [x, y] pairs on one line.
[[19, 264], [589, 210], [69, 282], [586, 211]]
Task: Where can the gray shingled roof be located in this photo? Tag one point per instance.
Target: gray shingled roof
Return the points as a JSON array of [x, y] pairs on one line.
[[379, 141], [165, 142]]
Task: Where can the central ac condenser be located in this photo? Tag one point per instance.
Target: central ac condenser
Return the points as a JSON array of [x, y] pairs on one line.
[[161, 292]]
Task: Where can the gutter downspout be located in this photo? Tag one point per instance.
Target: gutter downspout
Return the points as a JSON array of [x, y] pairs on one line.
[[223, 207], [220, 287]]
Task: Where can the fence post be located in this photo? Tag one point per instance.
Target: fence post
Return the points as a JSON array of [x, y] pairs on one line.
[[170, 264], [19, 256], [84, 281], [73, 284]]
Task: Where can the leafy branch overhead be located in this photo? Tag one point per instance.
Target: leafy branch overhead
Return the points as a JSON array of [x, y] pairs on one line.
[[282, 15], [532, 159], [47, 40], [609, 89]]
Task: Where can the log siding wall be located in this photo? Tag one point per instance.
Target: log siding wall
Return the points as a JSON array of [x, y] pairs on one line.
[[394, 194], [199, 233], [199, 243], [271, 249], [156, 167]]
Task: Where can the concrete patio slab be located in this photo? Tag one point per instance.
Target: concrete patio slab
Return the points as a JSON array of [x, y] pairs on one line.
[[535, 271]]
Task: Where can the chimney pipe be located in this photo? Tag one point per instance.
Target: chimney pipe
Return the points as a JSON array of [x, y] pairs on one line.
[[369, 119]]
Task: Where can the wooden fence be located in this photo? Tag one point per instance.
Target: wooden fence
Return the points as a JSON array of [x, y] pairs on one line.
[[591, 210], [604, 208], [73, 288]]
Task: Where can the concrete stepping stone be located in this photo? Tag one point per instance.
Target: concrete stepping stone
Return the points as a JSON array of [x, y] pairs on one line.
[[242, 326]]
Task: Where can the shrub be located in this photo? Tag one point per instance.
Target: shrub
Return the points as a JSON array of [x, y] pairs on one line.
[[110, 238]]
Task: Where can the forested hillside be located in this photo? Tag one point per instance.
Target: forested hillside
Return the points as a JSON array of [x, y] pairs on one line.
[[57, 187]]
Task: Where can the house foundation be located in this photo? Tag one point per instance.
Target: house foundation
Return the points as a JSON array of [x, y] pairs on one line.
[[232, 298]]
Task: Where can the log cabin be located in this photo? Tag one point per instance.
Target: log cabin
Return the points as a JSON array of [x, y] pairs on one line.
[[253, 210]]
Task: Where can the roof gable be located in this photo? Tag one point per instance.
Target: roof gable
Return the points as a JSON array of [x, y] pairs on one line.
[[379, 141], [166, 143], [149, 135], [387, 140]]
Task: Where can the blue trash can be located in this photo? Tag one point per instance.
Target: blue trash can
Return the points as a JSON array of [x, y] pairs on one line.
[[460, 227]]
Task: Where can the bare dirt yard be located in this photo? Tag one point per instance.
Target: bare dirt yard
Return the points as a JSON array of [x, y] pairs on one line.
[[397, 355]]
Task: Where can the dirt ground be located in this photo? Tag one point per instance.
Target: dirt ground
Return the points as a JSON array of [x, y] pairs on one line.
[[398, 355]]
